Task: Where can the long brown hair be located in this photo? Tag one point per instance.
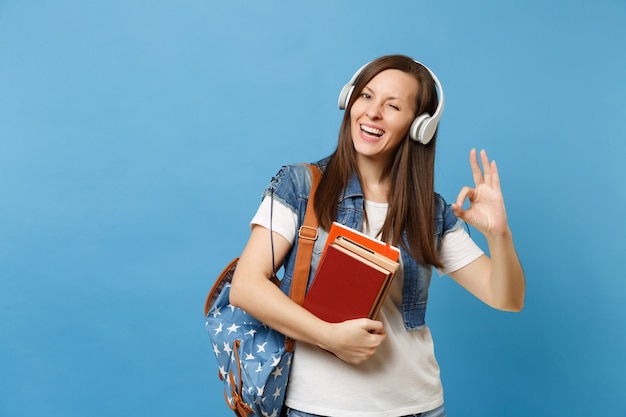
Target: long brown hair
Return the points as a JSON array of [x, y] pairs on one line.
[[411, 170]]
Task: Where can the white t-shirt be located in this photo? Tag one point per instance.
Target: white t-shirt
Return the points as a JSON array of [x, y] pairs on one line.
[[402, 377]]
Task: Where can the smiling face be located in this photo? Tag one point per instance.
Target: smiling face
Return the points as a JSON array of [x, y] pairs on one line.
[[381, 115]]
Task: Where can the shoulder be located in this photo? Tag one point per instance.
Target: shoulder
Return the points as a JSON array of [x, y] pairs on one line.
[[291, 184], [296, 174], [299, 173], [322, 163]]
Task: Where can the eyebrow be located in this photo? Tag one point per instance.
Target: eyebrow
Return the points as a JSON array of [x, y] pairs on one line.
[[388, 98]]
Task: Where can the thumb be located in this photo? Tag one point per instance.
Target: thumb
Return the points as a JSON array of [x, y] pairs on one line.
[[373, 326]]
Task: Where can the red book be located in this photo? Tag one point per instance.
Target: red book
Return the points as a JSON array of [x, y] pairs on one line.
[[378, 259], [346, 286], [385, 249]]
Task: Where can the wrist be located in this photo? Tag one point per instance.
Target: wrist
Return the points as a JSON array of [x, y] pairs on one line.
[[500, 235]]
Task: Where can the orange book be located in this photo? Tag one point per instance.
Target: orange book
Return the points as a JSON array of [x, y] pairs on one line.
[[385, 249], [346, 286]]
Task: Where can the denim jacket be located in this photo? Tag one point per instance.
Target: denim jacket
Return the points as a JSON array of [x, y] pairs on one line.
[[291, 187]]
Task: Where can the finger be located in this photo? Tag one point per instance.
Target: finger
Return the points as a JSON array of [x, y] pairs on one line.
[[484, 159], [495, 177], [476, 172], [458, 211], [466, 192]]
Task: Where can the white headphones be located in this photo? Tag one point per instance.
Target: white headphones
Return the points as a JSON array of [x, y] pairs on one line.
[[423, 127]]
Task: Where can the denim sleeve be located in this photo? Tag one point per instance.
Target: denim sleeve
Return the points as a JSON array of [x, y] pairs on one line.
[[450, 221], [290, 186]]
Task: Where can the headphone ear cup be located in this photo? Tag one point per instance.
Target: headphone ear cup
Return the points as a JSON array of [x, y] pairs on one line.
[[344, 96], [346, 91], [416, 129], [427, 130], [423, 128]]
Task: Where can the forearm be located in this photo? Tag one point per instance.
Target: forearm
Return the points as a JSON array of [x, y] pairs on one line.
[[268, 304], [352, 341], [506, 275]]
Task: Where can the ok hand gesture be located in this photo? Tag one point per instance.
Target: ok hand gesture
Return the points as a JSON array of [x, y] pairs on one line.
[[486, 211]]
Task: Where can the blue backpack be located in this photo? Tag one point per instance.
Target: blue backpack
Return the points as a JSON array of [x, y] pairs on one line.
[[253, 359]]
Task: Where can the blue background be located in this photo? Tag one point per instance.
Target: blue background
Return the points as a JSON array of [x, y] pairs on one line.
[[137, 136]]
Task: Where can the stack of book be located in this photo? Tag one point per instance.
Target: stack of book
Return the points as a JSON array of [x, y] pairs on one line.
[[353, 276]]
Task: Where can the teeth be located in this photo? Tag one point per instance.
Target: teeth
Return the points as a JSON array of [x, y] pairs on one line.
[[372, 130]]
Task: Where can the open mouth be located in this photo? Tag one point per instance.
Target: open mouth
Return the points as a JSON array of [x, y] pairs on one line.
[[372, 132]]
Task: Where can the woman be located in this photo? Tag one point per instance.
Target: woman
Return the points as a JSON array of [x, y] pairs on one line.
[[379, 180]]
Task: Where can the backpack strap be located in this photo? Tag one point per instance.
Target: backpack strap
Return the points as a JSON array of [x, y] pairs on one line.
[[307, 235]]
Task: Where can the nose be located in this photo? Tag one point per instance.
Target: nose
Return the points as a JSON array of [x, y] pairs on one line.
[[373, 111]]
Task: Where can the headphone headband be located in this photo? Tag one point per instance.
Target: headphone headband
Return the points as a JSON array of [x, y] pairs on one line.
[[423, 127]]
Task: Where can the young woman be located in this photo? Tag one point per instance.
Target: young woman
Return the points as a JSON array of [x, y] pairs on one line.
[[379, 180]]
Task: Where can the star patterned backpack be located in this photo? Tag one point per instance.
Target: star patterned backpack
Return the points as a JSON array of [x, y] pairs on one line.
[[253, 359]]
